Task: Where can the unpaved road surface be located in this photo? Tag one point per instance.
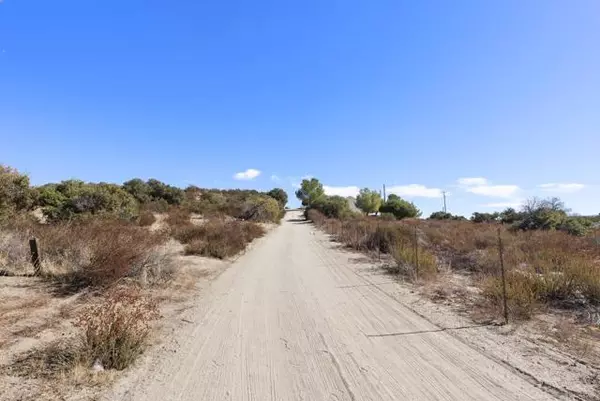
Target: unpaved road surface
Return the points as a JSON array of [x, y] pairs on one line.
[[291, 321]]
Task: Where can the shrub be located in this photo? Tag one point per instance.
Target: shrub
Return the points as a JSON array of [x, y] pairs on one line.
[[279, 195], [159, 190], [15, 193], [414, 260], [146, 218], [484, 217], [74, 198], [387, 216], [336, 207], [260, 208], [574, 227], [399, 207], [220, 239], [115, 331], [445, 216], [91, 252], [522, 293], [139, 189]]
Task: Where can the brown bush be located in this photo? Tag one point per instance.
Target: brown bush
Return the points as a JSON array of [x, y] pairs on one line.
[[177, 217], [146, 218], [90, 252], [220, 239], [115, 331]]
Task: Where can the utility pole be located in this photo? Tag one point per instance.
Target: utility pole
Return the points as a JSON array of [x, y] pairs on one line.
[[384, 192], [444, 193]]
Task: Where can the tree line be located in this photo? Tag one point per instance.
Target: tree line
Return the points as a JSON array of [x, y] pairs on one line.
[[534, 214]]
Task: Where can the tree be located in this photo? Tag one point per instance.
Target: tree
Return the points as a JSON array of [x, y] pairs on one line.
[[310, 191], [484, 217], [544, 214], [368, 201], [399, 207], [279, 195]]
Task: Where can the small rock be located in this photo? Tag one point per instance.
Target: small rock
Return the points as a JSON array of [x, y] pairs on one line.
[[97, 366]]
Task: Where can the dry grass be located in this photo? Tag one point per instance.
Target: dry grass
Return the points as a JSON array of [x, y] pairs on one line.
[[115, 331], [544, 268]]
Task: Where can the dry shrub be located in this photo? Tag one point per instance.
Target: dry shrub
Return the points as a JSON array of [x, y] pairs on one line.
[[218, 238], [91, 252], [177, 217], [522, 293], [116, 330], [415, 262], [146, 218]]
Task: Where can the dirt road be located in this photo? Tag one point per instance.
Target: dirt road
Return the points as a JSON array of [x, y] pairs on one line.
[[291, 321]]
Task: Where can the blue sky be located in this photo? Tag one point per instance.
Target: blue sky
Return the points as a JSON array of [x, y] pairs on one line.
[[493, 102]]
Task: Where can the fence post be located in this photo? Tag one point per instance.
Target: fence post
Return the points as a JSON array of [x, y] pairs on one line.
[[35, 256], [501, 253], [416, 253], [378, 241]]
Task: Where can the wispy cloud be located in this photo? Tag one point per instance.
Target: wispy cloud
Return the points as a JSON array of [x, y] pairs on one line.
[[275, 178], [563, 188], [471, 181], [481, 186], [249, 174], [415, 190], [341, 191]]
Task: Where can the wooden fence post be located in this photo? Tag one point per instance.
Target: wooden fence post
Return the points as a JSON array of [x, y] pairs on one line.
[[501, 253], [416, 253], [35, 256]]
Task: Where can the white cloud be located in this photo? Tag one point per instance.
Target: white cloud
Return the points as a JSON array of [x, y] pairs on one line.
[[275, 178], [341, 191], [249, 174], [513, 204], [416, 190], [497, 191], [470, 181], [561, 187], [481, 186]]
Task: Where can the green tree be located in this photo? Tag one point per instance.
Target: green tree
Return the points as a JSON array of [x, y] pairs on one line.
[[399, 207], [310, 191], [279, 195], [368, 201]]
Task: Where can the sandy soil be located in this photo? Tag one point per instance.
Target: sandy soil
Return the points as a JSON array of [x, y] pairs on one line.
[[296, 318]]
